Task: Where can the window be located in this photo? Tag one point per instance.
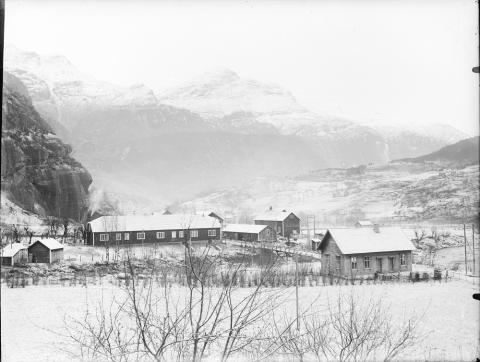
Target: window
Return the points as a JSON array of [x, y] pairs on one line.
[[174, 234], [160, 235], [103, 237], [127, 236], [194, 233], [338, 261], [354, 262], [140, 236], [180, 234], [403, 259], [118, 236], [212, 232], [391, 263], [366, 262]]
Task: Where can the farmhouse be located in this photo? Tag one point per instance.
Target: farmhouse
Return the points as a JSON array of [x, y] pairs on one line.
[[285, 223], [249, 232], [365, 252], [13, 254], [211, 214], [45, 251], [134, 229], [363, 224]]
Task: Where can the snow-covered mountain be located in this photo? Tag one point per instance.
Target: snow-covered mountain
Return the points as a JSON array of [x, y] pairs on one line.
[[58, 88], [216, 131]]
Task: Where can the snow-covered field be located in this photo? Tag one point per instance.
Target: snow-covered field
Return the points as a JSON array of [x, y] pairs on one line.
[[389, 193], [33, 318]]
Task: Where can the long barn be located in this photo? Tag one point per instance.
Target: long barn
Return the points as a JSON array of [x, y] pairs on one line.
[[135, 229]]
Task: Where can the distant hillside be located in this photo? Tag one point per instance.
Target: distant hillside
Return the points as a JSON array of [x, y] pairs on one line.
[[460, 154]]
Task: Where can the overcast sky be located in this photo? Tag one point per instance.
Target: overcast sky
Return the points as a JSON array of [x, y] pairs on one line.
[[389, 61]]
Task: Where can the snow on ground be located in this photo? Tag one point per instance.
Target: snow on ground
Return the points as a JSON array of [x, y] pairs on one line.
[[12, 214], [33, 318]]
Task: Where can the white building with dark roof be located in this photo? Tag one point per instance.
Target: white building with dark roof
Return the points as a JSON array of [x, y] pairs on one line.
[[351, 252]]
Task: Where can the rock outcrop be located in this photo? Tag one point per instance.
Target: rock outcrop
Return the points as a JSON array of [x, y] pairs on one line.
[[38, 172]]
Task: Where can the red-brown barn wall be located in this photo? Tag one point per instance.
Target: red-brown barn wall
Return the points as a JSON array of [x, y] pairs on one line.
[[150, 236]]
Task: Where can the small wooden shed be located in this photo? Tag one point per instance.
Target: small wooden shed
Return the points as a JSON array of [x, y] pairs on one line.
[[45, 251], [13, 254], [249, 232]]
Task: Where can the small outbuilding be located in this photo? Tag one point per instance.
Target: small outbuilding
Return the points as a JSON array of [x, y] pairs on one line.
[[365, 252], [14, 254], [45, 251], [364, 224], [249, 232]]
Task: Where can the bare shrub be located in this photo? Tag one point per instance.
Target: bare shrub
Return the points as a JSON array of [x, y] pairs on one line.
[[168, 324], [348, 329]]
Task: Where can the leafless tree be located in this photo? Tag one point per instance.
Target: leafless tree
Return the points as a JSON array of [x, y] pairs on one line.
[[66, 228], [419, 235], [53, 225], [28, 232], [156, 324], [15, 230], [349, 329]]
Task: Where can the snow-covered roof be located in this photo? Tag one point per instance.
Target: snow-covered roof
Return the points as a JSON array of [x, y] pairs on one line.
[[50, 243], [152, 222], [208, 213], [365, 223], [366, 240], [11, 250], [245, 228], [273, 216]]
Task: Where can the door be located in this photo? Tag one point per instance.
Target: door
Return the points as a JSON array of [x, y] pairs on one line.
[[380, 265], [391, 264]]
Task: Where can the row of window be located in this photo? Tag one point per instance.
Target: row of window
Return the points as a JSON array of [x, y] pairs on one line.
[[366, 261], [160, 235]]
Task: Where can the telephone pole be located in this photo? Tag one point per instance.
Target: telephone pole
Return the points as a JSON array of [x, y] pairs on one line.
[[473, 247], [296, 290], [465, 245]]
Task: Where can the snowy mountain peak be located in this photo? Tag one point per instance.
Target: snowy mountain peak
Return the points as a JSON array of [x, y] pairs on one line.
[[52, 68], [222, 92], [217, 75]]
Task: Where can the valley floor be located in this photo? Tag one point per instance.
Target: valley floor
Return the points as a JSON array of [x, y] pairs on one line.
[[34, 329]]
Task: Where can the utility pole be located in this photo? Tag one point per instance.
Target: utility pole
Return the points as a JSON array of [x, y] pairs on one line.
[[296, 290], [473, 247], [465, 244]]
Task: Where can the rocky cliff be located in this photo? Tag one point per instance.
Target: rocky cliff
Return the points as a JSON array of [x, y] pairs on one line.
[[38, 172]]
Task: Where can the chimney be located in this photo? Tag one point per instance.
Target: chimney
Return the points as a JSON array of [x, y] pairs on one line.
[[376, 228]]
